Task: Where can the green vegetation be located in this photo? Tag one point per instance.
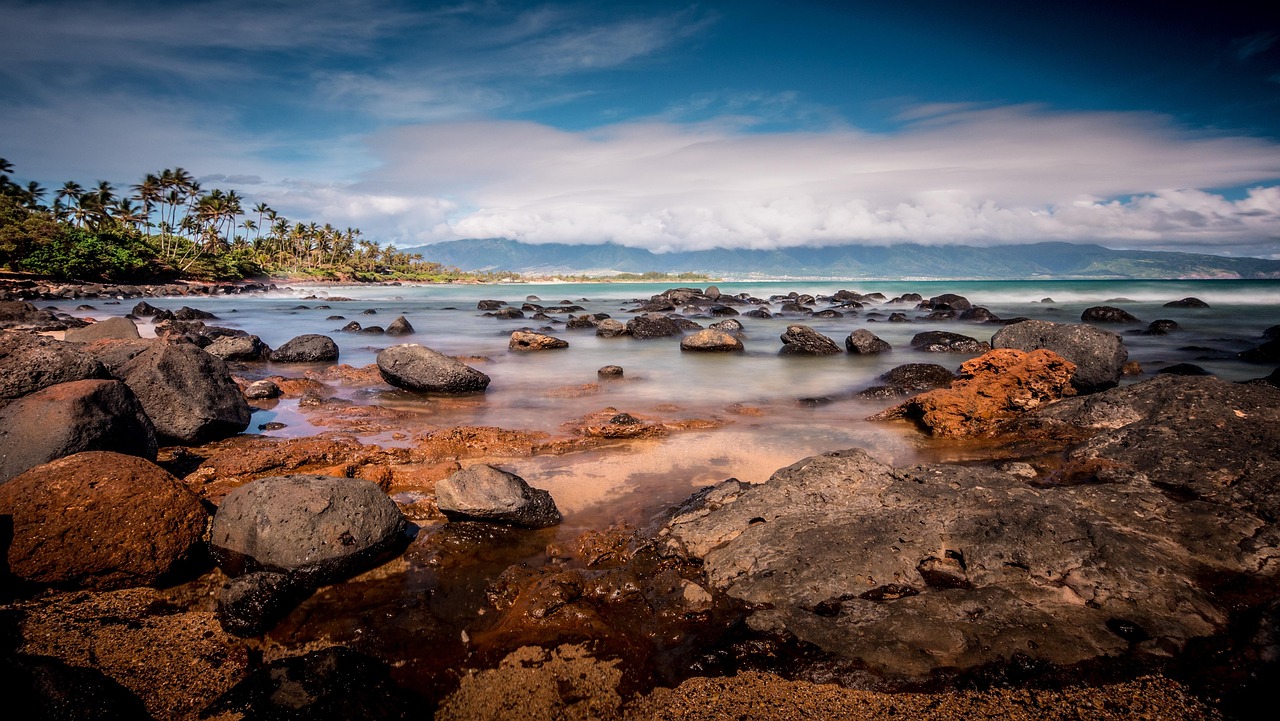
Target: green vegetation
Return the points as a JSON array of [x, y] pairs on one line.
[[652, 276], [170, 227]]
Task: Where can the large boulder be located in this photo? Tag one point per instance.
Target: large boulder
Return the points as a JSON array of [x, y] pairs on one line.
[[711, 340], [1107, 314], [115, 353], [21, 314], [61, 420], [187, 393], [418, 368], [864, 342], [527, 340], [117, 328], [1099, 355], [803, 340], [485, 493], [317, 529], [993, 389], [309, 348], [239, 348], [100, 520], [645, 327], [30, 362], [940, 341]]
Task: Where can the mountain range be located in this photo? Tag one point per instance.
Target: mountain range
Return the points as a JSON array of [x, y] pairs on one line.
[[902, 261]]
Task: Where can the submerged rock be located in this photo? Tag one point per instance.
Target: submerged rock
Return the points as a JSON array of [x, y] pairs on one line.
[[711, 340], [524, 340], [1107, 314], [418, 368], [485, 493], [940, 341], [645, 327], [803, 340], [1187, 303], [864, 342]]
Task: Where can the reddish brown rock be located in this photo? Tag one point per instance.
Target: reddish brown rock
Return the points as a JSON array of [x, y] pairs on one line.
[[100, 520], [237, 462], [993, 389]]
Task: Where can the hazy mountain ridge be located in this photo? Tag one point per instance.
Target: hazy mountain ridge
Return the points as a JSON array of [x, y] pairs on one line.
[[908, 260]]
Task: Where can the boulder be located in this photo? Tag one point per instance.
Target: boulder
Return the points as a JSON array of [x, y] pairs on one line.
[[187, 313], [509, 313], [910, 378], [803, 340], [239, 348], [317, 529], [100, 520], [262, 390], [68, 418], [352, 327], [524, 340], [946, 301], [109, 329], [418, 368], [485, 493], [609, 372], [490, 305], [1268, 353], [1099, 355], [115, 353], [610, 328], [144, 309], [309, 348], [253, 603], [1107, 314], [30, 362], [758, 313], [864, 342], [187, 393], [992, 390], [645, 327], [728, 325], [1161, 327], [399, 326], [978, 314], [1187, 303], [711, 340], [20, 314], [939, 341]]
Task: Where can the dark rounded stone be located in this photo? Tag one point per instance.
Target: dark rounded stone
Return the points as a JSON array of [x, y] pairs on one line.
[[1187, 303], [29, 362], [1099, 355], [485, 493], [864, 342], [308, 348], [187, 393], [938, 341], [646, 327], [1161, 327], [803, 340], [1184, 369], [239, 348], [609, 372], [419, 368], [1107, 314], [400, 326]]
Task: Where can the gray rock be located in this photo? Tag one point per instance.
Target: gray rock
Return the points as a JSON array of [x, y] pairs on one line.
[[317, 529], [115, 353], [803, 340], [939, 341], [309, 348], [524, 340], [610, 328], [29, 362], [64, 419], [509, 313], [489, 305], [419, 368], [144, 309], [1187, 303], [711, 340], [239, 348], [1099, 355], [399, 326], [609, 373], [485, 493], [186, 313], [728, 325], [645, 327], [109, 329], [262, 390], [1161, 327], [187, 393], [909, 379], [1107, 314], [864, 342]]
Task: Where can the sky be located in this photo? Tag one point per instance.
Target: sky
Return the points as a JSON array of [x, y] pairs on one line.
[[673, 125]]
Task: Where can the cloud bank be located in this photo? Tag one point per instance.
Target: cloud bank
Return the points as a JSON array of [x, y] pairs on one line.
[[954, 175]]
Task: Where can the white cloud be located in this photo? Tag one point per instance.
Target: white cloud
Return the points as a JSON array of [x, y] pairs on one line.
[[961, 175]]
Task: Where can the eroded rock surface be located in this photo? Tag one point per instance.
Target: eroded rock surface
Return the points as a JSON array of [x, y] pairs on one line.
[[1099, 355]]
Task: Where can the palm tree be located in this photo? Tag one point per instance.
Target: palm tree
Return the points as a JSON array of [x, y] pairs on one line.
[[34, 195], [70, 190], [5, 166]]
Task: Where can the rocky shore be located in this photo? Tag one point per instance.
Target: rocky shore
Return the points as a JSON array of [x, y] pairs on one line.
[[1106, 551]]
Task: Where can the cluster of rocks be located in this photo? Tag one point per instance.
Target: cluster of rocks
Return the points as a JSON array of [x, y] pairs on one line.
[[67, 290]]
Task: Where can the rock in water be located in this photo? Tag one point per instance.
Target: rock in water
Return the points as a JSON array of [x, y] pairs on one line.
[[70, 418], [252, 604], [399, 326], [711, 340], [939, 341], [645, 327], [1187, 303], [485, 493], [1099, 355], [119, 521], [109, 329], [309, 348], [418, 368], [187, 393], [610, 328], [803, 340], [30, 362], [993, 389], [864, 342], [318, 529], [525, 340], [1107, 314], [239, 348]]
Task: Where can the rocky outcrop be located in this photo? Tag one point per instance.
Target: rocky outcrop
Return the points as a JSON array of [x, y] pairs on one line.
[[864, 342], [645, 327], [20, 314], [113, 354], [309, 348], [940, 341], [61, 420], [118, 521], [1124, 552], [993, 389], [526, 340], [711, 340], [317, 529], [485, 493], [110, 329], [1107, 314], [803, 340], [1098, 355], [187, 393], [30, 362], [418, 368]]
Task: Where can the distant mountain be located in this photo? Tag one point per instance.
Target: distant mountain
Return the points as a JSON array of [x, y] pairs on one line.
[[1036, 260]]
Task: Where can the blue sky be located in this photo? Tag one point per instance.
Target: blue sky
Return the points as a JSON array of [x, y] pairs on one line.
[[673, 125]]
